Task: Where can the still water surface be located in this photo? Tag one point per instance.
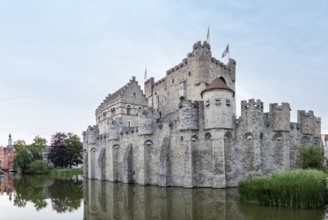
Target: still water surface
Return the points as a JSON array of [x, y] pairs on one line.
[[42, 197]]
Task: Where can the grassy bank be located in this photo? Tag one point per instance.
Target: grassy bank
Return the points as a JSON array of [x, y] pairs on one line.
[[65, 172], [291, 189]]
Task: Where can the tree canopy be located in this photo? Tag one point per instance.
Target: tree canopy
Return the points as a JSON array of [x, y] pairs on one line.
[[66, 150]]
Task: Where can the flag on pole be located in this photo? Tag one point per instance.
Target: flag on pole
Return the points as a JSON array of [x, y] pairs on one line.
[[145, 76], [226, 51], [208, 35]]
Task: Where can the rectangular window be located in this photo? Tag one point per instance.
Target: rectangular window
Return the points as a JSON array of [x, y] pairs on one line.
[[228, 102], [217, 101]]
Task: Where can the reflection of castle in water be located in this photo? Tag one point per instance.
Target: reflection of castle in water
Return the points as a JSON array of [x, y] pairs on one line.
[[106, 200]]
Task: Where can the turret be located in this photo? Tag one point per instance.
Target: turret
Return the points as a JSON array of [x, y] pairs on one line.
[[252, 114], [280, 116], [306, 120], [145, 121], [188, 115], [114, 128], [91, 134], [219, 104]]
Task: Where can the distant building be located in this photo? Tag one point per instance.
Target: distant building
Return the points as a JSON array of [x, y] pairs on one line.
[[7, 155]]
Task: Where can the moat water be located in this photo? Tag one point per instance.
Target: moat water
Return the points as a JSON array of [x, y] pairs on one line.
[[42, 197]]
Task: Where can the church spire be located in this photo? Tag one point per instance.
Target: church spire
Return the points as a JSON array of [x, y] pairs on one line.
[[10, 142]]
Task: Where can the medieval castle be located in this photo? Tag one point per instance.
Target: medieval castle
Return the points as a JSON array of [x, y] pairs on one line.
[[183, 130]]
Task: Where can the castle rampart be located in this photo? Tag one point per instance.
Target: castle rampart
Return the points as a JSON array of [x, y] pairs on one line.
[[183, 131]]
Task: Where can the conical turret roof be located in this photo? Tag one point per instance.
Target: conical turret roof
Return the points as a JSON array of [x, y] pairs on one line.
[[217, 84]]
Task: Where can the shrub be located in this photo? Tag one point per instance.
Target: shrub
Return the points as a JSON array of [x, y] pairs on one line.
[[291, 189], [310, 156], [37, 167]]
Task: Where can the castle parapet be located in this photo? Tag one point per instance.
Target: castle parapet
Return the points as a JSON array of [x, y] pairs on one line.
[[145, 121], [188, 115], [280, 116]]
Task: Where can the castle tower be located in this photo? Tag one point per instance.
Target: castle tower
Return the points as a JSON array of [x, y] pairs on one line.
[[280, 116], [219, 104], [306, 120], [200, 59]]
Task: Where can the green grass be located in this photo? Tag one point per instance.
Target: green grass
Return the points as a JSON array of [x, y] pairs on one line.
[[65, 172], [291, 189]]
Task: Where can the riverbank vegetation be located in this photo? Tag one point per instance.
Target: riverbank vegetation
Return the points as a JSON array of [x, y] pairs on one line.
[[291, 189], [65, 151], [302, 188]]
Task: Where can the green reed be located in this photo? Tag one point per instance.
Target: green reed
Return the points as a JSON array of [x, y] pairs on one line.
[[291, 189]]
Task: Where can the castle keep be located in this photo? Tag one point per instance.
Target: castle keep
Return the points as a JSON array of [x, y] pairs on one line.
[[183, 130]]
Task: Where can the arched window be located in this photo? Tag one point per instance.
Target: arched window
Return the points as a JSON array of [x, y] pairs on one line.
[[148, 143], [248, 136], [208, 136], [194, 138], [277, 137], [228, 136], [305, 139], [128, 109]]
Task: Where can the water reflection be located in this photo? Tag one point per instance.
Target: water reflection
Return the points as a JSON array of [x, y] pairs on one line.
[[105, 200], [63, 194]]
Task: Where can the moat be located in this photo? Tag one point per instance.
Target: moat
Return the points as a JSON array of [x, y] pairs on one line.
[[43, 197]]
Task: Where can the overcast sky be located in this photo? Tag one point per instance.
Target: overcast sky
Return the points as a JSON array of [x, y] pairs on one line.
[[59, 59]]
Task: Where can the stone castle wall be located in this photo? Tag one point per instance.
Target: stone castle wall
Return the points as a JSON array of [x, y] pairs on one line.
[[179, 134]]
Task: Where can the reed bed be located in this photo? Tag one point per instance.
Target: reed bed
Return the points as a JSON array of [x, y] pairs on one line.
[[291, 189]]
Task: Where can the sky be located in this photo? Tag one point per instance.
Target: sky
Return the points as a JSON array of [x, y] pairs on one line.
[[59, 59]]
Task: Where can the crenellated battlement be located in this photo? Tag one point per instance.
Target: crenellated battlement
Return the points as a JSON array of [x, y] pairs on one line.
[[251, 104], [201, 45]]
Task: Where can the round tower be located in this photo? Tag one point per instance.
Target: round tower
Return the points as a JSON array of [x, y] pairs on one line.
[[188, 115], [219, 102], [145, 121]]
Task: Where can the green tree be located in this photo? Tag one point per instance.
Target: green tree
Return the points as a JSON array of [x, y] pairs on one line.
[[310, 156], [73, 149], [27, 155], [66, 150]]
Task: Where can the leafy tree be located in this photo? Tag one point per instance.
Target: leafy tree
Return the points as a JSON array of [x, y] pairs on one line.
[[39, 142], [310, 156], [66, 150], [25, 154], [19, 143], [73, 149]]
